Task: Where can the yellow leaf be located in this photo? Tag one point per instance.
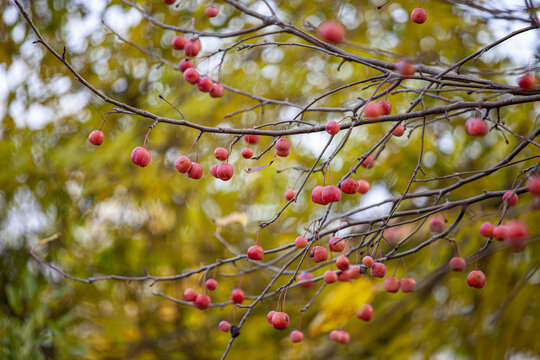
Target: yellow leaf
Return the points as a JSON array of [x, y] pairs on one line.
[[341, 305]]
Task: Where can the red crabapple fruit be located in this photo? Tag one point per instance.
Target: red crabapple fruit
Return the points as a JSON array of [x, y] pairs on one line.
[[363, 186], [419, 15], [280, 320], [458, 264], [300, 242], [365, 313], [516, 236], [96, 137], [247, 153], [344, 276], [211, 284], [202, 301], [211, 11], [332, 127], [237, 296], [534, 185], [290, 194], [185, 64], [252, 139], [499, 232], [190, 294], [213, 170], [527, 82], [221, 154], [398, 131], [342, 262], [296, 336], [224, 326], [331, 31], [373, 109], [269, 316], [368, 162], [331, 193], [486, 229], [192, 47], [191, 75], [179, 42], [182, 164], [511, 196], [378, 270], [318, 254], [303, 276], [195, 171], [437, 225], [476, 127], [217, 90], [386, 107], [335, 244], [205, 84], [476, 279], [407, 285], [368, 261], [330, 277], [349, 186], [316, 195], [391, 284], [354, 272], [140, 156], [225, 171], [283, 146], [255, 252], [405, 68], [169, 2]]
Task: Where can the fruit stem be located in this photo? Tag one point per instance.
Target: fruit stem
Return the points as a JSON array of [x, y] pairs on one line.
[[105, 119]]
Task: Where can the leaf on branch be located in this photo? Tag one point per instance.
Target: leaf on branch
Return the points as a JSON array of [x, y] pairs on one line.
[[257, 168]]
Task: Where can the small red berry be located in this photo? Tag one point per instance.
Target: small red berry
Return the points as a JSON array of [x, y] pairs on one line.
[[217, 90], [96, 137], [363, 186], [211, 284], [195, 171], [270, 316], [318, 254], [391, 284], [437, 225], [386, 107], [191, 75], [190, 294], [185, 64], [247, 153], [192, 47], [335, 244], [407, 285], [332, 127], [349, 186], [280, 320], [534, 185], [211, 11], [182, 164], [344, 276], [476, 279], [373, 110], [458, 264], [290, 194], [419, 15], [476, 127], [224, 326], [202, 301], [499, 232], [486, 229], [342, 262], [179, 42], [368, 162], [225, 171], [365, 313], [140, 156], [331, 31], [205, 84], [340, 336], [296, 336], [516, 235], [316, 195], [255, 252], [283, 146], [303, 276], [331, 193], [398, 131], [405, 68], [378, 270], [221, 154], [300, 242], [527, 82], [238, 296], [252, 139], [354, 272], [368, 261], [511, 196], [330, 277]]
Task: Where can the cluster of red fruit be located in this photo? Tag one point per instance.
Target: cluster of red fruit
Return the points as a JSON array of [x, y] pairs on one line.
[[223, 171], [324, 195]]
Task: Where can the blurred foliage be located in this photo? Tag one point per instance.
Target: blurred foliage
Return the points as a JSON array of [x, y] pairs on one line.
[[116, 218]]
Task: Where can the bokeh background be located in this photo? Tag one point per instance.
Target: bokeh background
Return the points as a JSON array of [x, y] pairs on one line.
[[116, 218]]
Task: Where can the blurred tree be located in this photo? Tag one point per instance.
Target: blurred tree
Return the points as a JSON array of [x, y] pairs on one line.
[[113, 217]]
